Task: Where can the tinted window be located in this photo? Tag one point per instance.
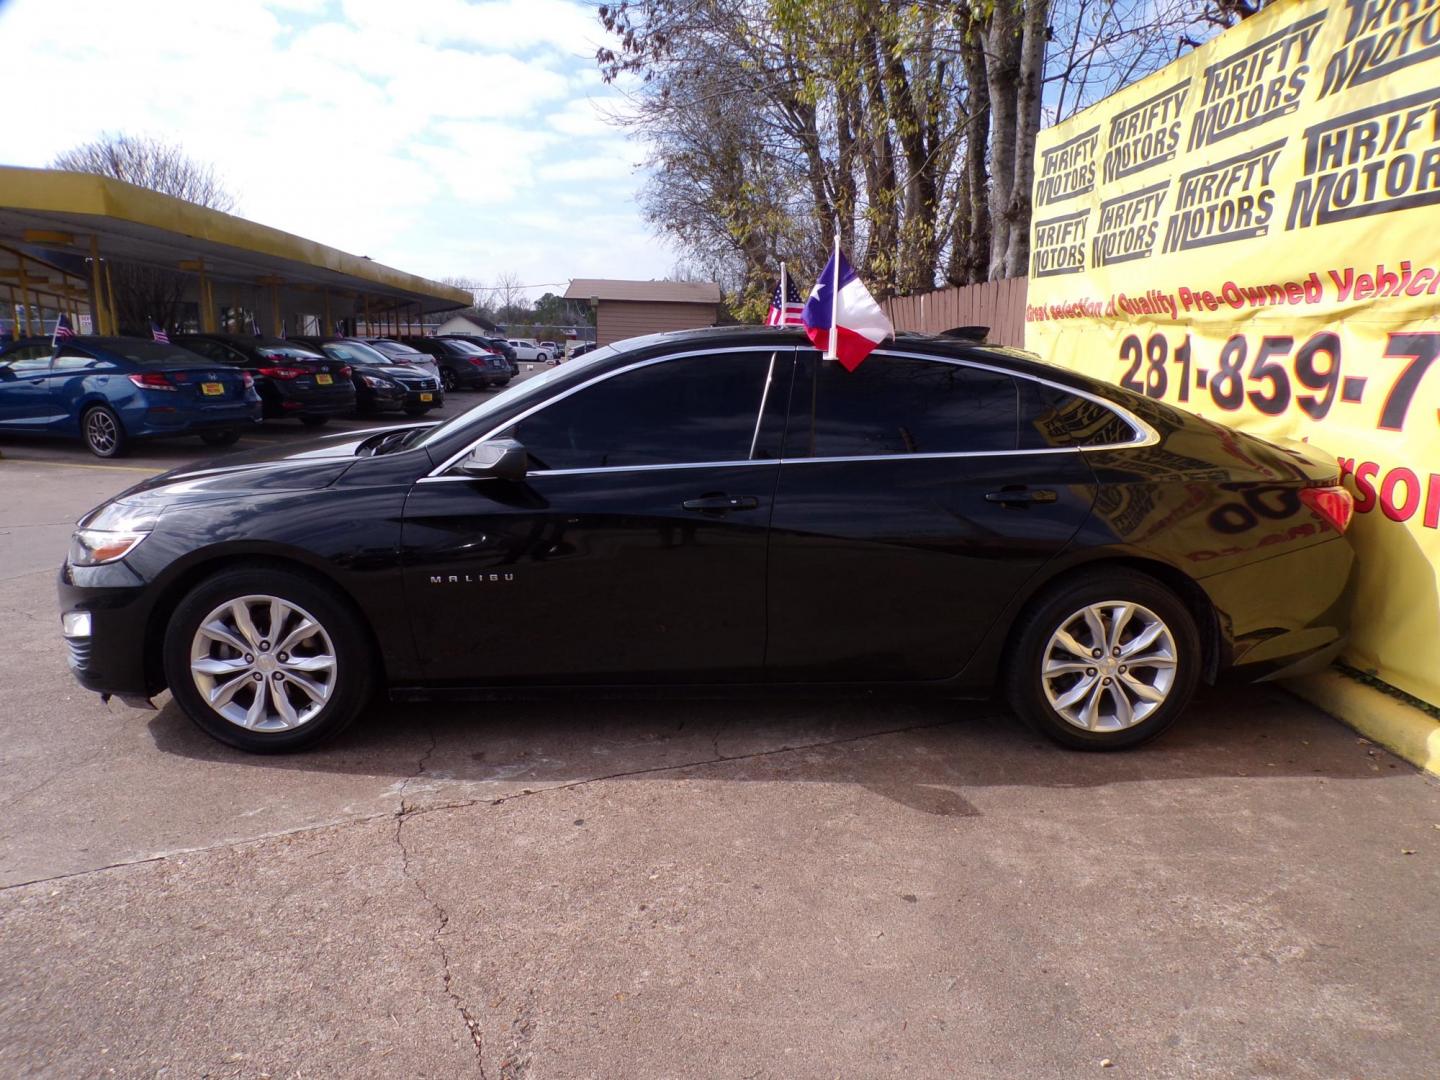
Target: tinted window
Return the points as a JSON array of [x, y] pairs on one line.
[[28, 358], [701, 408], [69, 359], [352, 352], [145, 353], [212, 350], [1050, 417], [895, 405], [393, 348]]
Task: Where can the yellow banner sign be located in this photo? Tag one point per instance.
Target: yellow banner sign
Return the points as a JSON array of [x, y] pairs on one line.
[[1253, 234]]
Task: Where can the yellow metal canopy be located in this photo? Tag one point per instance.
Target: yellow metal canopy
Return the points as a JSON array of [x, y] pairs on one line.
[[69, 212]]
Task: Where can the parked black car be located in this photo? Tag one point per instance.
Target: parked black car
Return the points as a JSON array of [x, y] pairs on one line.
[[401, 353], [492, 345], [381, 383], [463, 365], [292, 379], [723, 507]]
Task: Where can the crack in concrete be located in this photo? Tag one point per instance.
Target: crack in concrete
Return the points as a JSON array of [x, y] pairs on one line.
[[409, 812], [442, 917]]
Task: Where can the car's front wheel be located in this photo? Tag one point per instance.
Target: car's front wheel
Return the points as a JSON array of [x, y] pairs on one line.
[[266, 660], [103, 432], [1104, 661]]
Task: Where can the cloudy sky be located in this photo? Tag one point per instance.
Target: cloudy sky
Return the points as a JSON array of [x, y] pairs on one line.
[[443, 137]]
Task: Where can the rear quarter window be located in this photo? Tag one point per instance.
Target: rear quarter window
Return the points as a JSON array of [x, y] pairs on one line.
[[1053, 418]]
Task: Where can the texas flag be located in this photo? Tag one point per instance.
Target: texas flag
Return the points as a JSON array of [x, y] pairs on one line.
[[842, 317]]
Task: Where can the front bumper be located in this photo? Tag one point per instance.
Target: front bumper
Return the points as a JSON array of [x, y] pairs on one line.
[[110, 657]]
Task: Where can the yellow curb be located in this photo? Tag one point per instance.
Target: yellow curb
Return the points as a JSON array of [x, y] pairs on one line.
[[83, 465], [1400, 728]]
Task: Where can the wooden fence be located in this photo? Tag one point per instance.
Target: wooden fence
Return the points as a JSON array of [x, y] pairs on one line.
[[1000, 305]]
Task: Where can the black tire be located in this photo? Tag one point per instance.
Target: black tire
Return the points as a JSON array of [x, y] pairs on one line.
[[543, 358], [448, 382], [103, 433], [225, 437], [314, 421], [350, 677], [1062, 605]]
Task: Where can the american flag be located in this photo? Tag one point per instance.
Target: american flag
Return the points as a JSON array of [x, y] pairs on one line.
[[787, 307], [158, 333], [63, 330]]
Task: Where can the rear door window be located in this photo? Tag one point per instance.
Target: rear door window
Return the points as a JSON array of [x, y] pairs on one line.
[[696, 409], [898, 405]]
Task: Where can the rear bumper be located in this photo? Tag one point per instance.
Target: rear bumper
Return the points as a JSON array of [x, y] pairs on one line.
[[1285, 615], [155, 423]]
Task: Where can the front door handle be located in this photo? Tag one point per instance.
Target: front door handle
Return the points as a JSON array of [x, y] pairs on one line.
[[721, 503], [1021, 496]]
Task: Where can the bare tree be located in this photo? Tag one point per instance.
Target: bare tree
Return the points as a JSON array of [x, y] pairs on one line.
[[150, 163], [907, 125], [507, 296], [145, 293]]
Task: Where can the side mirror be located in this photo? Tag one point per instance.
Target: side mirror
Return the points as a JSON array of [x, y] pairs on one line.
[[498, 459]]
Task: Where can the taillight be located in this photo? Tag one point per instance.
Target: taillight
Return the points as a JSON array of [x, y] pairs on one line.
[[283, 372], [248, 379], [1334, 504], [477, 361], [345, 372], [153, 380]]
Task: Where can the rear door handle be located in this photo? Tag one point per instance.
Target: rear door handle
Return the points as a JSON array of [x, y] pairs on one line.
[[721, 503], [1021, 496]]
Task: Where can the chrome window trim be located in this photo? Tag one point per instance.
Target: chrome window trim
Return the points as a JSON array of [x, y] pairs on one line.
[[1145, 435], [436, 473]]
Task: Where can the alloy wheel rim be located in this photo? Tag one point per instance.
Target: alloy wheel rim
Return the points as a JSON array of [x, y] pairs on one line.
[[263, 663], [1109, 666], [101, 430]]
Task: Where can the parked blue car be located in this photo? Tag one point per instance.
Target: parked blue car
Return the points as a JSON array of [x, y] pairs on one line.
[[111, 390]]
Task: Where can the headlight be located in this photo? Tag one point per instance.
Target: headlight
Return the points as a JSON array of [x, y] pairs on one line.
[[92, 547], [378, 384]]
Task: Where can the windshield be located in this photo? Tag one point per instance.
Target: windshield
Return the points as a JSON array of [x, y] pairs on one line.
[[536, 386], [352, 352], [402, 353], [280, 349], [464, 346]]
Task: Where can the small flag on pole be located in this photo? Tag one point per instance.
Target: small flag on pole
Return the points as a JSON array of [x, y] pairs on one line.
[[255, 327], [842, 317], [786, 305], [63, 330], [157, 332]]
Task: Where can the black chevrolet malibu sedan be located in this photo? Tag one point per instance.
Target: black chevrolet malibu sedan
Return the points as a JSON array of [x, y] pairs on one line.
[[726, 508]]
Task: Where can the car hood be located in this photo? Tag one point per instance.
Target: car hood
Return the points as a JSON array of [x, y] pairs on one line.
[[307, 466]]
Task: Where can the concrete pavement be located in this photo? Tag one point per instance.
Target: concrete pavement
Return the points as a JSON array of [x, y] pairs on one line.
[[662, 889]]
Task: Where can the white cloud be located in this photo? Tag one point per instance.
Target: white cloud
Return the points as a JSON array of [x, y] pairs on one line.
[[439, 136]]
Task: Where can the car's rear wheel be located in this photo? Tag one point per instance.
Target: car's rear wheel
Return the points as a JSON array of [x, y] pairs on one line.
[[103, 432], [448, 380], [314, 421], [1104, 661], [226, 437], [266, 660]]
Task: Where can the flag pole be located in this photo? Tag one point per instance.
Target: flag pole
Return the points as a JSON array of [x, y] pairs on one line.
[[830, 353], [784, 293]]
